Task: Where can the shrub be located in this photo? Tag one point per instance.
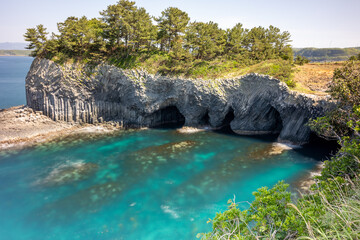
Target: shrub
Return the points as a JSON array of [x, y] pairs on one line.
[[270, 217], [355, 58], [280, 69], [300, 60]]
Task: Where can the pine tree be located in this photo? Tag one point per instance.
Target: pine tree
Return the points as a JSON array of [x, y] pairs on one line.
[[37, 39], [128, 26], [205, 40], [171, 27], [279, 41], [118, 19], [143, 31], [80, 37], [235, 40]]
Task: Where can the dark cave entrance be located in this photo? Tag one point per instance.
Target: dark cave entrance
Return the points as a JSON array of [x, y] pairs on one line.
[[275, 120], [267, 122], [205, 120], [225, 125], [168, 117], [319, 147]]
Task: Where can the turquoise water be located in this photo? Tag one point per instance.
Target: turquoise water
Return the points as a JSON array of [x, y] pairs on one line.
[[136, 184], [13, 71]]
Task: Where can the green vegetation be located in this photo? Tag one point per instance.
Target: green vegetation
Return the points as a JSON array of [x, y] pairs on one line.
[[300, 60], [332, 209], [125, 36], [355, 57], [268, 214], [15, 52], [326, 54]]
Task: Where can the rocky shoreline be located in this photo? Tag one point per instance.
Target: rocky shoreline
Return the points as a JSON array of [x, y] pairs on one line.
[[303, 185], [21, 127]]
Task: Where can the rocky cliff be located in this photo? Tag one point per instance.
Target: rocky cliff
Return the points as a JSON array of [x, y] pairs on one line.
[[252, 104]]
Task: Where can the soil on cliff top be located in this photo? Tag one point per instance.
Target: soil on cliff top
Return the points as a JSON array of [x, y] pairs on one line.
[[314, 78]]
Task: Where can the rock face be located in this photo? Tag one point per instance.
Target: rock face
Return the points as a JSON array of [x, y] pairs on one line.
[[252, 104]]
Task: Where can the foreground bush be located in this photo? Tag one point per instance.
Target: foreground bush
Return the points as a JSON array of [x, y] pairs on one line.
[[270, 215], [332, 211]]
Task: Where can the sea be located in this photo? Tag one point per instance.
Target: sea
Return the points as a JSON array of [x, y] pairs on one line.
[[146, 184], [13, 70]]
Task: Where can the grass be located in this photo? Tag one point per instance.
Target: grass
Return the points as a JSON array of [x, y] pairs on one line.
[[300, 87], [314, 77], [214, 69], [342, 214]]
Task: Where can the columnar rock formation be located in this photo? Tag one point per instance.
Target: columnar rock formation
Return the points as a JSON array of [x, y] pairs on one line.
[[252, 104]]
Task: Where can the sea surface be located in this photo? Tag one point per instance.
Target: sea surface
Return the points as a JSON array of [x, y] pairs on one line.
[[137, 184], [13, 71]]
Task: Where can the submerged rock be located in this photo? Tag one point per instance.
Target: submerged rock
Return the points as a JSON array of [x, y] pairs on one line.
[[69, 173], [265, 150], [147, 159], [251, 104]]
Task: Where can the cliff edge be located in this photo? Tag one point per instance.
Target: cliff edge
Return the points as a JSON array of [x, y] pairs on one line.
[[251, 104]]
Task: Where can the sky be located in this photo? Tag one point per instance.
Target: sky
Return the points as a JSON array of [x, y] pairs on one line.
[[311, 23]]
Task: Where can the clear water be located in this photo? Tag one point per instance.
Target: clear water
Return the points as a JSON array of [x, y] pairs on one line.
[[13, 71], [143, 184], [149, 184]]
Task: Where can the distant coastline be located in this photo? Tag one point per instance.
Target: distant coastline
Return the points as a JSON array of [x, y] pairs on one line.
[[9, 53], [326, 54], [14, 55]]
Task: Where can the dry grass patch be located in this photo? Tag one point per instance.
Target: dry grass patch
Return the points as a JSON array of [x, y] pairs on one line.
[[314, 78]]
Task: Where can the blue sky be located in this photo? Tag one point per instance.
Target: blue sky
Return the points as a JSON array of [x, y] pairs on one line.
[[312, 23]]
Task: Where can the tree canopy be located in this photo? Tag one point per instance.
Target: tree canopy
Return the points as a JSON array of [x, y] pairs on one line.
[[128, 34], [171, 26], [36, 38]]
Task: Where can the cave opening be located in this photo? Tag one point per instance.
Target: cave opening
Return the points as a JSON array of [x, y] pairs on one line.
[[205, 120], [274, 118], [225, 125], [320, 147], [168, 117]]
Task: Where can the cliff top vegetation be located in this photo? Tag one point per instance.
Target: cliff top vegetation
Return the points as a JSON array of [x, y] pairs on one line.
[[128, 37]]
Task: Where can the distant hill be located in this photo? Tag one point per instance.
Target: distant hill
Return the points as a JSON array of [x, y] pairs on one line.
[[15, 52], [326, 54], [13, 45]]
